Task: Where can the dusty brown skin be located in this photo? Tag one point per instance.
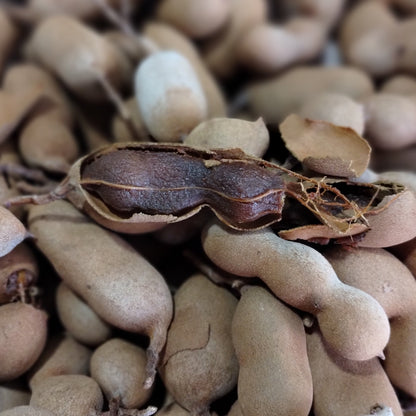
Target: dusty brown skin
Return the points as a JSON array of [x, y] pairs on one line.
[[79, 319], [68, 395], [24, 333], [108, 271], [199, 364], [119, 367], [62, 355], [269, 340]]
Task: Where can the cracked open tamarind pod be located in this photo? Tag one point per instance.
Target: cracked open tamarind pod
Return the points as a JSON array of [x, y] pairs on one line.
[[352, 322]]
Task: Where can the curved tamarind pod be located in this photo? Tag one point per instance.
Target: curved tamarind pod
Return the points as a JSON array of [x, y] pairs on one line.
[[122, 188], [352, 322]]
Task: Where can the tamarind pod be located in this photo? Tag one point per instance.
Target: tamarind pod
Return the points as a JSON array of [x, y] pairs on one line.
[[399, 84], [79, 319], [198, 364], [269, 340], [276, 98], [8, 37], [27, 411], [357, 385], [219, 53], [169, 95], [18, 271], [196, 19], [68, 395], [113, 274], [252, 137], [48, 143], [302, 277], [13, 393], [61, 355], [23, 332], [119, 367], [78, 56], [167, 38], [29, 81], [406, 252]]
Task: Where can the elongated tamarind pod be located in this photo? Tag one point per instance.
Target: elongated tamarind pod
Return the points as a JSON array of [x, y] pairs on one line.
[[346, 387], [352, 322], [114, 279], [269, 340], [199, 364]]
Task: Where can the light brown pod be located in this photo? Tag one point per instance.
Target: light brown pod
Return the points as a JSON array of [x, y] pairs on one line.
[[78, 56], [300, 276], [195, 18], [8, 37], [199, 364], [269, 340], [23, 332], [68, 395], [27, 411], [220, 54], [390, 121], [119, 367], [47, 143], [29, 82], [268, 48], [79, 319], [18, 271], [112, 273], [276, 98], [252, 137], [167, 38], [344, 387], [62, 355], [399, 84], [12, 231], [335, 108], [169, 95], [13, 393]]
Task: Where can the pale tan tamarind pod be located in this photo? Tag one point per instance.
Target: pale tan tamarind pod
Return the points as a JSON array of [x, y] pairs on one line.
[[61, 355], [27, 411], [276, 98], [167, 38], [107, 271], [18, 271], [79, 56], [302, 277], [8, 37], [390, 121], [346, 387], [195, 18], [68, 395], [269, 340], [252, 137], [23, 333], [47, 143], [132, 129], [29, 81], [219, 53], [79, 319], [387, 279], [169, 94], [335, 108], [12, 231], [399, 84], [199, 364], [268, 48], [14, 393], [119, 367]]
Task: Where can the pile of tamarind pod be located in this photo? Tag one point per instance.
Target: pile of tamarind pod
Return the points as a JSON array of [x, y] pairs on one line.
[[207, 207]]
